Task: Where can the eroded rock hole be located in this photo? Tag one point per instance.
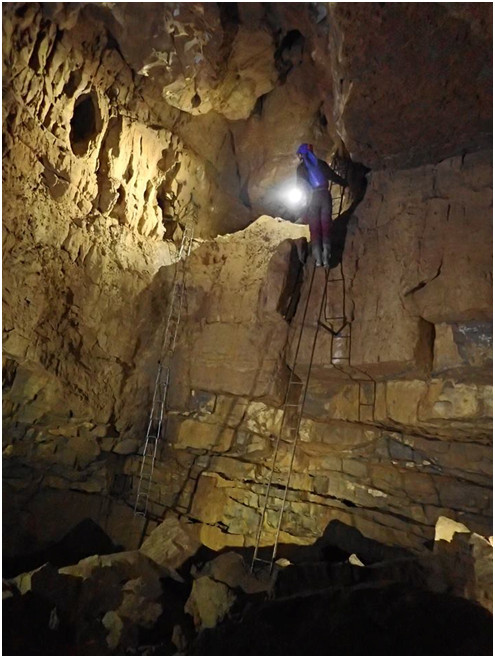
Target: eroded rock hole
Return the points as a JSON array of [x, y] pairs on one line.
[[163, 200], [289, 53], [72, 83], [292, 39], [9, 371], [258, 108], [85, 123], [34, 60]]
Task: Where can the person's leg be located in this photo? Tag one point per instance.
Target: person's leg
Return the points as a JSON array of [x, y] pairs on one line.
[[313, 219], [326, 227]]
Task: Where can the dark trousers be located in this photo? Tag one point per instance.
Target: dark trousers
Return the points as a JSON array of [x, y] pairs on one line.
[[319, 217]]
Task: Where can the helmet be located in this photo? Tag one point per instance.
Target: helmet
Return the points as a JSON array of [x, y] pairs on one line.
[[305, 148]]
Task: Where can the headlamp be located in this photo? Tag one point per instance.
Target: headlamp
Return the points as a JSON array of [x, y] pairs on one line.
[[295, 196]]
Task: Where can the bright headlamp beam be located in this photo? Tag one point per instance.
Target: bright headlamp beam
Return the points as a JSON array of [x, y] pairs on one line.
[[295, 196]]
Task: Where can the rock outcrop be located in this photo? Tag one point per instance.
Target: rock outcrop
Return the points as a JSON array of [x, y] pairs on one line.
[[387, 428], [403, 101]]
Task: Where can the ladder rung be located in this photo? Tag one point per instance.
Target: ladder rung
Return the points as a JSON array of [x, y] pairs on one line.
[[259, 559], [181, 508], [288, 442]]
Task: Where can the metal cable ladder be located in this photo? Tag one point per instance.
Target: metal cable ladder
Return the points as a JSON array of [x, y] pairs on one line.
[[341, 331], [162, 381], [293, 407]]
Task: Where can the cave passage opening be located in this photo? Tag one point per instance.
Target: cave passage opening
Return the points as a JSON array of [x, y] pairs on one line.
[[85, 123]]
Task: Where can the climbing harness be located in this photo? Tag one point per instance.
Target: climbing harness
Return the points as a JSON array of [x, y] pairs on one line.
[[162, 380]]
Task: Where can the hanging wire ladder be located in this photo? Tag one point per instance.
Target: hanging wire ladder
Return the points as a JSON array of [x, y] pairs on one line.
[[292, 412], [157, 415], [340, 329]]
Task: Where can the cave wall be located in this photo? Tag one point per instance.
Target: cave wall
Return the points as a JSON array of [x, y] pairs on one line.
[[411, 83], [112, 144], [95, 194], [100, 176], [390, 441]]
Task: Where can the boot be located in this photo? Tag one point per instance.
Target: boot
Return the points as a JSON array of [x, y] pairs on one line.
[[302, 250], [326, 254], [316, 251]]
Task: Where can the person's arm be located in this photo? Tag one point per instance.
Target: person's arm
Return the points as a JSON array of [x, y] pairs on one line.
[[303, 178], [331, 174]]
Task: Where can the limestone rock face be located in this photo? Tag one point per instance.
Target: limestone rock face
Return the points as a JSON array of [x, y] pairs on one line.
[[397, 423], [403, 100], [105, 149], [122, 125], [209, 602], [171, 543], [266, 145], [419, 247], [416, 248], [234, 308], [231, 339], [466, 560], [104, 600], [94, 185], [199, 55]]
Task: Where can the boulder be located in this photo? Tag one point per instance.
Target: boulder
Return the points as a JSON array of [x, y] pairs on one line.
[[231, 569], [85, 539], [466, 559], [209, 602], [172, 542], [126, 565]]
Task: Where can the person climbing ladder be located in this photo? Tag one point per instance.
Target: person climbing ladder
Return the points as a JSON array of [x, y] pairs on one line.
[[314, 174]]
